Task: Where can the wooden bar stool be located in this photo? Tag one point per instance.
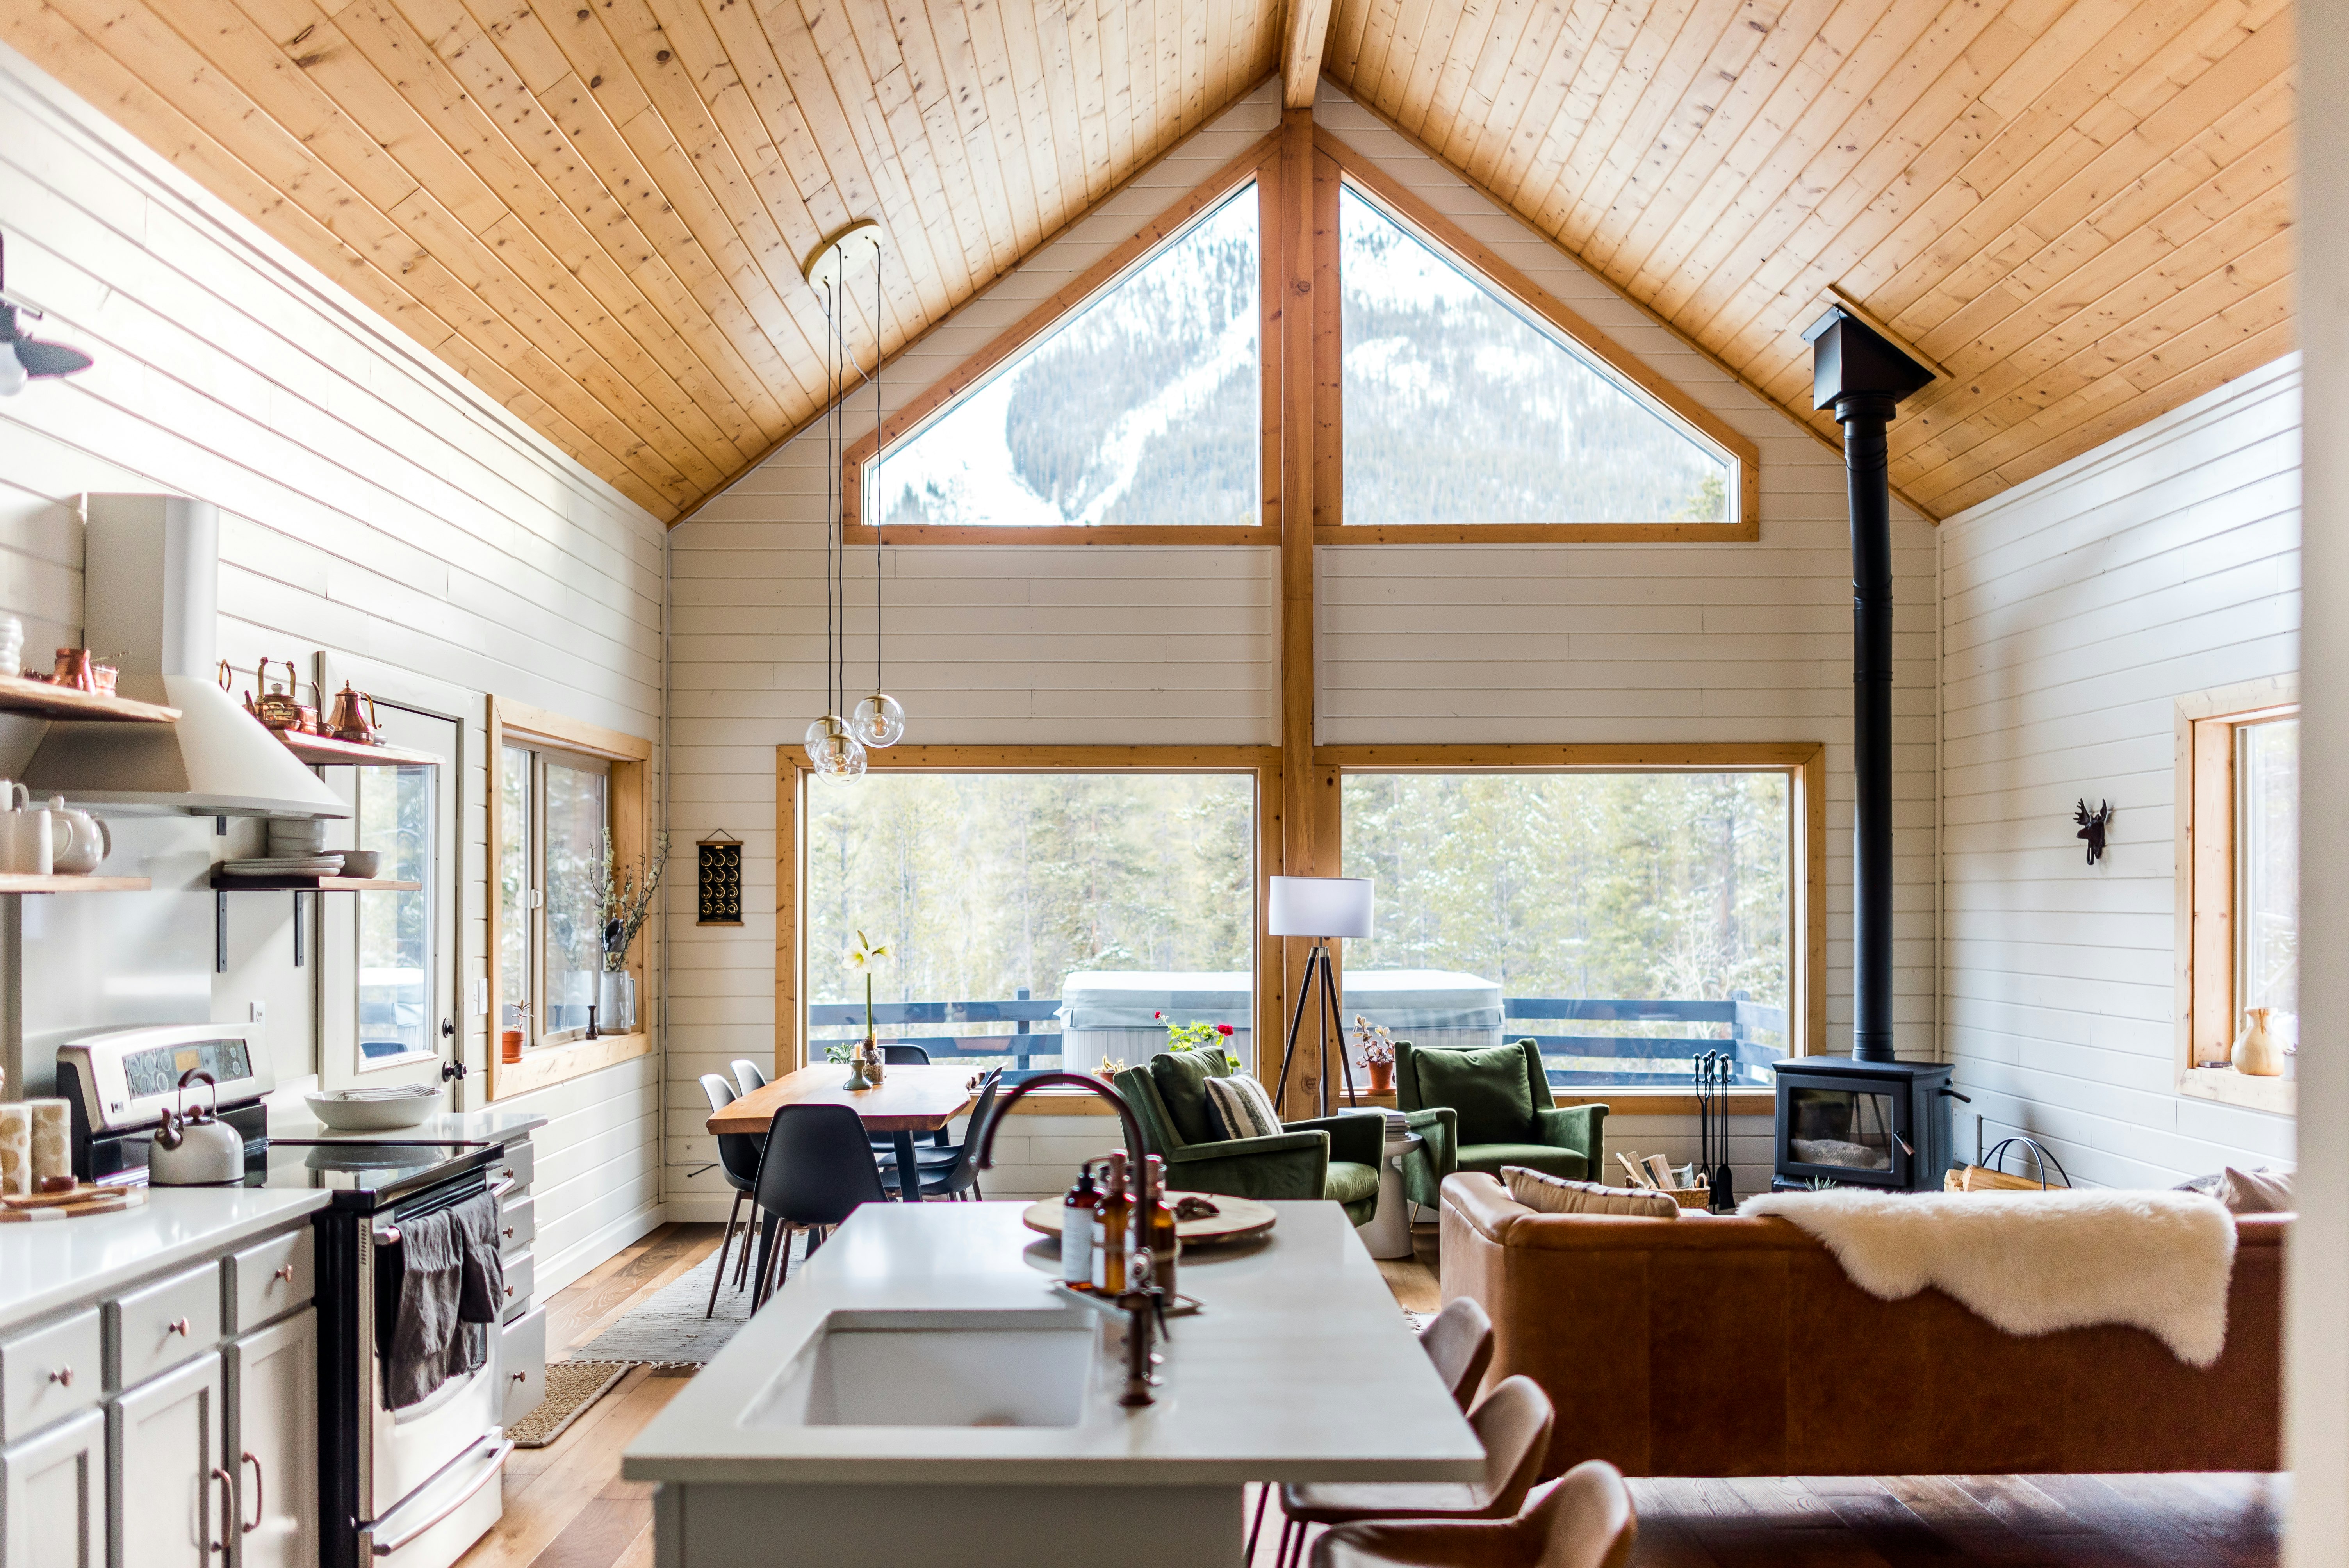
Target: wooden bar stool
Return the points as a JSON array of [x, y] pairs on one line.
[[1582, 1520], [1513, 1423]]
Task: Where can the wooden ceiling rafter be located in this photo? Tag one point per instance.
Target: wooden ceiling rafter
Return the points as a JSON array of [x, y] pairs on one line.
[[597, 210]]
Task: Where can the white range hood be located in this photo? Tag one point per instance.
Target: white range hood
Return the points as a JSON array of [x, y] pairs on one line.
[[151, 595]]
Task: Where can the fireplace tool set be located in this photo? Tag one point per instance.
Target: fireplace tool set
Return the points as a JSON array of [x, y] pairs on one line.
[[1713, 1070]]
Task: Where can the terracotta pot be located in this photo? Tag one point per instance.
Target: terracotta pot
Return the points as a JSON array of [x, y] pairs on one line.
[[1381, 1076]]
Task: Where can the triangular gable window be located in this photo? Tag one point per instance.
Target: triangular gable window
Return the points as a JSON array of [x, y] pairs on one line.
[[1139, 409], [1458, 409]]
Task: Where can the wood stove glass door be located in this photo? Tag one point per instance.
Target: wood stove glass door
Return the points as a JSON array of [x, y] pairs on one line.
[[1843, 1129]]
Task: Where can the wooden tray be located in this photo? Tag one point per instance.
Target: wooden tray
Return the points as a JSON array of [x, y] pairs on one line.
[[1240, 1218], [21, 1208]]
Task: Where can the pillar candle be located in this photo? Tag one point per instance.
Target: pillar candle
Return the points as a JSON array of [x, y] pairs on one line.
[[52, 1139], [15, 1148]]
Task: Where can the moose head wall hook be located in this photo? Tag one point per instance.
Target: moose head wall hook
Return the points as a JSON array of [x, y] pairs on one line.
[[2092, 827]]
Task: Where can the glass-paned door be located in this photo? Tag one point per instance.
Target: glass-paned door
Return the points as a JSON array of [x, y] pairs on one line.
[[387, 956]]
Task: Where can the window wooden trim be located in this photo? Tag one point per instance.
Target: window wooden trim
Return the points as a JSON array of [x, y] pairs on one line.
[[1473, 257], [794, 780], [632, 835], [2204, 885], [1257, 163], [1804, 764]]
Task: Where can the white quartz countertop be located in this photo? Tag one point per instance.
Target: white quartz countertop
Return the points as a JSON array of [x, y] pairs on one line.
[[295, 1124], [1300, 1367], [47, 1265]]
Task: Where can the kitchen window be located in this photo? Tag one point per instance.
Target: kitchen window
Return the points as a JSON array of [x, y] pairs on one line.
[[569, 808], [397, 945], [2238, 883]]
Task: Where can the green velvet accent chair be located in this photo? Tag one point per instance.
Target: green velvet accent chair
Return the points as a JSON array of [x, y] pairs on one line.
[[1487, 1108], [1336, 1157]]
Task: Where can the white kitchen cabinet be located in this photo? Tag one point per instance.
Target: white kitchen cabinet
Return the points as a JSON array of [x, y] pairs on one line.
[[273, 1402], [53, 1496], [168, 1492]]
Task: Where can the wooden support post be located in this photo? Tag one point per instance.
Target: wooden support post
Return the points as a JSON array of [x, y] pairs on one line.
[[1295, 345]]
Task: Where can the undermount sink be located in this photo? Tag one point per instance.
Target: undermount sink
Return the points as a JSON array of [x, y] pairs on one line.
[[935, 1369]]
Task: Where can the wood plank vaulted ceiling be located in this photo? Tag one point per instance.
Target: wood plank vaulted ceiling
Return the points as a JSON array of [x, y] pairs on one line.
[[597, 211]]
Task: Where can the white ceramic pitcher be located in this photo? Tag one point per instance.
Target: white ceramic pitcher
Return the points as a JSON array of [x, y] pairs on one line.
[[28, 834]]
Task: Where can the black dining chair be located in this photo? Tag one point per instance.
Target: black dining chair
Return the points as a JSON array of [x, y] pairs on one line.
[[738, 1157], [817, 1170], [905, 1055], [953, 1170], [748, 1075]]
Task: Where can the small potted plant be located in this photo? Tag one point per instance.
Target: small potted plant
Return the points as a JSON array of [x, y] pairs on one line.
[[1181, 1038], [864, 1061], [1378, 1054]]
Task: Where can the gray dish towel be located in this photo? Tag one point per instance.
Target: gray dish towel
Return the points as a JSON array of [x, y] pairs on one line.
[[451, 1282]]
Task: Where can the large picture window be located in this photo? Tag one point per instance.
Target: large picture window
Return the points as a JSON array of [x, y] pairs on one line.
[[1035, 919], [1139, 411], [1627, 919]]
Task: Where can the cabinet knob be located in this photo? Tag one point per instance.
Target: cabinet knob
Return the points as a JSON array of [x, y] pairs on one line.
[[518, 1377], [508, 1290], [179, 1328], [62, 1377], [508, 1233], [285, 1274]]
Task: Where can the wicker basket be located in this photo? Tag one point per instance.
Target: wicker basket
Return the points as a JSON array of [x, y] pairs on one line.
[[1690, 1197]]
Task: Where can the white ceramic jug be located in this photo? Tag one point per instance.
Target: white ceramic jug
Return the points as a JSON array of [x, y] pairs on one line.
[[81, 841], [27, 840]]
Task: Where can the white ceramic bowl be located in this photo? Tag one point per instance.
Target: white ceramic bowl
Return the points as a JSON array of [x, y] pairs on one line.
[[375, 1110]]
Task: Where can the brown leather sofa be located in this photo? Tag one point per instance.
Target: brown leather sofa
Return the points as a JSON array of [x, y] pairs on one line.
[[1716, 1345]]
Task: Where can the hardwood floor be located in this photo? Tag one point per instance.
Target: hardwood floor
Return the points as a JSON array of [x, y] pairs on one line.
[[566, 1506]]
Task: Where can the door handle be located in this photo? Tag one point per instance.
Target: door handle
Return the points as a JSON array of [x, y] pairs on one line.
[[228, 1510], [248, 1457]]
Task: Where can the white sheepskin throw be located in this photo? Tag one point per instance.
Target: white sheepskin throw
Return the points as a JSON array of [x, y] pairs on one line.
[[2033, 1262]]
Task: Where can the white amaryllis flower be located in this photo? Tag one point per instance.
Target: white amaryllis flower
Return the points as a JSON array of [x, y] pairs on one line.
[[863, 958]]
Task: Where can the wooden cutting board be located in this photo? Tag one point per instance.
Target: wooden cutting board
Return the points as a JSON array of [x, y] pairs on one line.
[[84, 1200], [1237, 1219]]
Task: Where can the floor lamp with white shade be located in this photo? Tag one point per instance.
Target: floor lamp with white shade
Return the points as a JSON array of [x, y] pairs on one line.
[[1321, 908]]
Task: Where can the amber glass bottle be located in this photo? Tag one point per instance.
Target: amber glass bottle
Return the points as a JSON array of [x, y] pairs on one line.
[[1114, 1222], [1157, 1224]]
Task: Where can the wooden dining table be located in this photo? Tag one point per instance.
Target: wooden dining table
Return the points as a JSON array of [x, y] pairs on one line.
[[910, 1101]]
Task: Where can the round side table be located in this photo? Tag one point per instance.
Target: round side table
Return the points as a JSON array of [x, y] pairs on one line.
[[1388, 1235]]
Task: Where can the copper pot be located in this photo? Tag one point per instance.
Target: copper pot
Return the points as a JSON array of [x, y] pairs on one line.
[[73, 669]]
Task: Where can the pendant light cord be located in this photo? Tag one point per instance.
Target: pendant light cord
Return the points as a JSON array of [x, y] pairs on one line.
[[875, 521]]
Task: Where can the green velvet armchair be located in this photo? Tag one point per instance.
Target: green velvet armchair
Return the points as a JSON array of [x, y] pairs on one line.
[[1487, 1108], [1336, 1158]]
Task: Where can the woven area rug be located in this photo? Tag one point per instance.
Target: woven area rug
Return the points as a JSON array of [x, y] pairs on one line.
[[571, 1387], [668, 1330]]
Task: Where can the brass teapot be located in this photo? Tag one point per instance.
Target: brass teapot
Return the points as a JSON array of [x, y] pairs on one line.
[[345, 722]]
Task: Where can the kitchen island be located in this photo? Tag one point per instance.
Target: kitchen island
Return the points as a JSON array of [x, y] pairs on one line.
[[920, 1393]]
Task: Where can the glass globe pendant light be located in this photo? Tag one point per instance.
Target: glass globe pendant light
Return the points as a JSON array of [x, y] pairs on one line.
[[836, 746], [879, 719]]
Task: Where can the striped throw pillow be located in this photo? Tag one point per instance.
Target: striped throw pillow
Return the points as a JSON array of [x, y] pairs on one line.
[[1237, 1106]]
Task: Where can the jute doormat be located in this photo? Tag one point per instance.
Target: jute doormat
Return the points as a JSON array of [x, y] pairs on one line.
[[571, 1387]]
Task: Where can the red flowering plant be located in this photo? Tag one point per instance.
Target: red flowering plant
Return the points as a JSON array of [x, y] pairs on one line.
[[1191, 1037]]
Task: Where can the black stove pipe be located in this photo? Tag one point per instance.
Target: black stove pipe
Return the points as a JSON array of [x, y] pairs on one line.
[[1862, 376]]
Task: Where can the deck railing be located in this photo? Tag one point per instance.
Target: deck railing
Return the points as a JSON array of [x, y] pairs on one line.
[[1735, 1026]]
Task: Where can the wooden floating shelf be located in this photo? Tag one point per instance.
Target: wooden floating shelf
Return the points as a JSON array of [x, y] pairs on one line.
[[42, 700], [326, 750], [12, 881], [306, 884]]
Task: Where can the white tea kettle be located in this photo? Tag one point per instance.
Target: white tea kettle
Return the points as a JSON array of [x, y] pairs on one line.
[[195, 1148], [88, 841]]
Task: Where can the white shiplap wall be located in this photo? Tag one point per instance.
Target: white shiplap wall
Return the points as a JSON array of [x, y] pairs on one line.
[[2077, 608], [1028, 645], [374, 506]]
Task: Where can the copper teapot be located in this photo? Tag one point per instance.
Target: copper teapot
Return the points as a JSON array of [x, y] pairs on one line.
[[278, 708], [348, 723]]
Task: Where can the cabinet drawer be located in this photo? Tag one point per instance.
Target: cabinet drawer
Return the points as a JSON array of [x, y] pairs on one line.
[[157, 1327], [271, 1279], [522, 1361], [522, 1274], [514, 1164], [517, 1224], [50, 1373]]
